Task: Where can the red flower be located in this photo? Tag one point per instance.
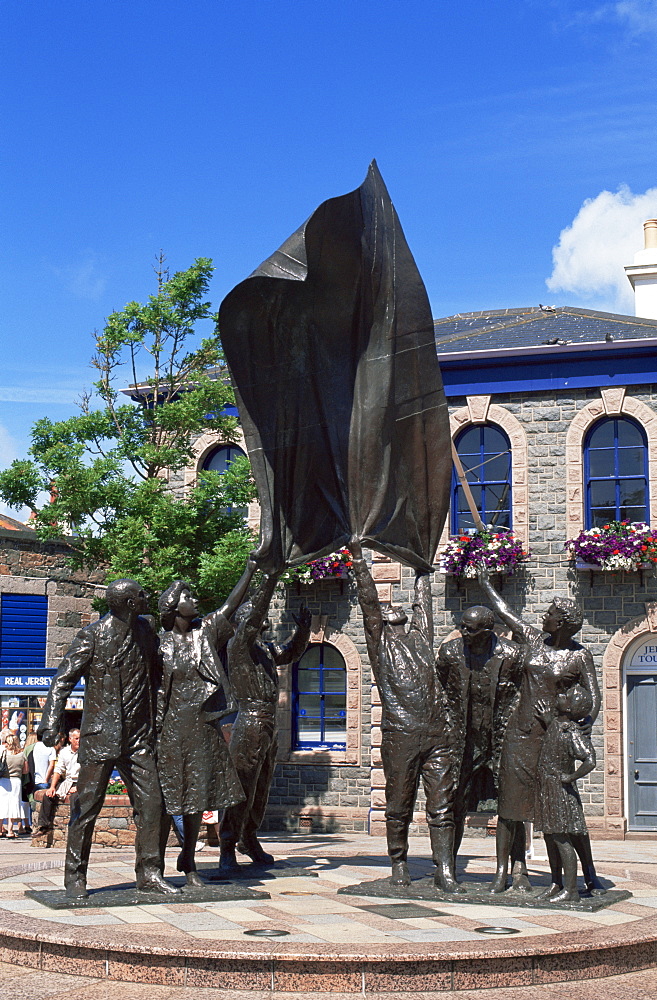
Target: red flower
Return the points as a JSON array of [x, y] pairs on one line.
[[616, 552], [644, 548]]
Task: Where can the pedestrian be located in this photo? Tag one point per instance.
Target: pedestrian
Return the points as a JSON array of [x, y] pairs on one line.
[[11, 806]]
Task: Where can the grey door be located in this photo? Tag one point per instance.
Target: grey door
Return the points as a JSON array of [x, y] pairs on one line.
[[642, 750]]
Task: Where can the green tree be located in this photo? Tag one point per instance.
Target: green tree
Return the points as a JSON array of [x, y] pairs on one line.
[[101, 478]]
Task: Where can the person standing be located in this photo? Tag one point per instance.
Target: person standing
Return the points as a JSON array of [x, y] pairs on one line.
[[480, 674], [194, 765], [553, 662], [118, 657], [416, 737], [253, 676], [11, 804]]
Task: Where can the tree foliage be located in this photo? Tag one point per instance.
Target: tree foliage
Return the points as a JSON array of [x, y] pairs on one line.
[[101, 478]]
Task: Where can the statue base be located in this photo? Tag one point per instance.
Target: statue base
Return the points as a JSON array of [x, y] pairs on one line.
[[128, 895], [253, 872], [477, 893]]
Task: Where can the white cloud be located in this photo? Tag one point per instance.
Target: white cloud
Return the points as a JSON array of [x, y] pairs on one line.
[[84, 280], [21, 394], [592, 251], [634, 18], [638, 16]]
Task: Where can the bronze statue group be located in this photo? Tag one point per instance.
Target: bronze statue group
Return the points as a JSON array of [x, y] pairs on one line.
[[153, 710], [518, 711]]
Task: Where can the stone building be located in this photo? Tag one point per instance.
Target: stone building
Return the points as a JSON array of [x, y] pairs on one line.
[[527, 389], [43, 603]]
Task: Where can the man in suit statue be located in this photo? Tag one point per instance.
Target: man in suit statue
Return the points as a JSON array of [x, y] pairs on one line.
[[117, 656], [480, 674]]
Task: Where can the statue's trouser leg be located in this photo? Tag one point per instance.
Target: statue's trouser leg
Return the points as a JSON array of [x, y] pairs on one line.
[[247, 757], [256, 814], [402, 759], [440, 786], [461, 798], [92, 786], [140, 776]]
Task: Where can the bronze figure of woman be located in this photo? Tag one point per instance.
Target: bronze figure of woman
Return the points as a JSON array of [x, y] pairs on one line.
[[553, 662], [194, 765]]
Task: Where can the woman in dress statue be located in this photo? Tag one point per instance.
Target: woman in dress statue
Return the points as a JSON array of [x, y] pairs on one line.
[[194, 766], [553, 663]]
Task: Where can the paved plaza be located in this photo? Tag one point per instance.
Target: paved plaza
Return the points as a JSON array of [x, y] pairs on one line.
[[314, 916]]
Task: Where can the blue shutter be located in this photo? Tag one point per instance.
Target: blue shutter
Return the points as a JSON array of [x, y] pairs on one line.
[[23, 625]]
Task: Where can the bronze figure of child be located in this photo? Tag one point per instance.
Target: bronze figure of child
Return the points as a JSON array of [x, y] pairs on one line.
[[558, 809]]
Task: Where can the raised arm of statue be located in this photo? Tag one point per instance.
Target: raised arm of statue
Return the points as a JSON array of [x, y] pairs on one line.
[[249, 630], [522, 631], [422, 606], [590, 682], [296, 645], [368, 599], [236, 596]]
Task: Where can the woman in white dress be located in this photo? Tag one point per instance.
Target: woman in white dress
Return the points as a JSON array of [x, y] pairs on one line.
[[11, 804]]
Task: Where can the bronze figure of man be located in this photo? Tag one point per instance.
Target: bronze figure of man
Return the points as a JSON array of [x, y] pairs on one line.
[[118, 658], [480, 674], [253, 677], [416, 741]]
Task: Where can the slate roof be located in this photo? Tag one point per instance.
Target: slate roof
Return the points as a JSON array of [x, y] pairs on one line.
[[535, 326]]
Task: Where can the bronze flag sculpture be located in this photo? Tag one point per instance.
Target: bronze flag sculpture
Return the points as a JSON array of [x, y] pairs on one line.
[[330, 344]]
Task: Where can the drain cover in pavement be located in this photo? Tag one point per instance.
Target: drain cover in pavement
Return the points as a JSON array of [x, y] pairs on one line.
[[401, 911]]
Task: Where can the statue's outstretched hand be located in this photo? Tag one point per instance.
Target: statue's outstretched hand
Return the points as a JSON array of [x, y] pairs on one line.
[[355, 547], [304, 618]]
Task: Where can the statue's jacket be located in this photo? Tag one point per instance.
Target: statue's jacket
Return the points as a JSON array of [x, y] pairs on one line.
[[209, 636], [96, 654], [504, 668]]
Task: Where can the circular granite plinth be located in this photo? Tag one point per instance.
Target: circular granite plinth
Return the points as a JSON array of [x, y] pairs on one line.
[[333, 943]]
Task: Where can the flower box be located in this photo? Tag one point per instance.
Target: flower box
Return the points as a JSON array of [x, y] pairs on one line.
[[336, 566], [495, 551], [619, 546]]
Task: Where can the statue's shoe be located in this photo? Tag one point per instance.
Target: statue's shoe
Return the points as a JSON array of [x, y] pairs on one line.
[[153, 882], [76, 889], [254, 850]]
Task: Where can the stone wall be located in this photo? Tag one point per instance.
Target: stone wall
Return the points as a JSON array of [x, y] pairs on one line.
[[335, 793]]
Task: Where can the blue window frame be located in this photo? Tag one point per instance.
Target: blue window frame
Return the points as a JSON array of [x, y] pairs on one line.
[[616, 472], [319, 699], [485, 455], [23, 627], [218, 460]]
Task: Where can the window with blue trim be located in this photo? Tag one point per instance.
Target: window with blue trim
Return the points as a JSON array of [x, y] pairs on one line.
[[319, 699], [616, 472], [218, 460], [485, 455]]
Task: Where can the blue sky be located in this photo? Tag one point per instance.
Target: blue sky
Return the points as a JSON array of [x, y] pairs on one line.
[[210, 128]]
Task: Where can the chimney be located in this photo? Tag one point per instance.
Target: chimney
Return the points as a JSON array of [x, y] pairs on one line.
[[643, 273]]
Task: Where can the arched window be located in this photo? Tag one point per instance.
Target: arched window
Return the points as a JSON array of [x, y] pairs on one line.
[[616, 472], [221, 457], [319, 699], [485, 454], [218, 460]]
